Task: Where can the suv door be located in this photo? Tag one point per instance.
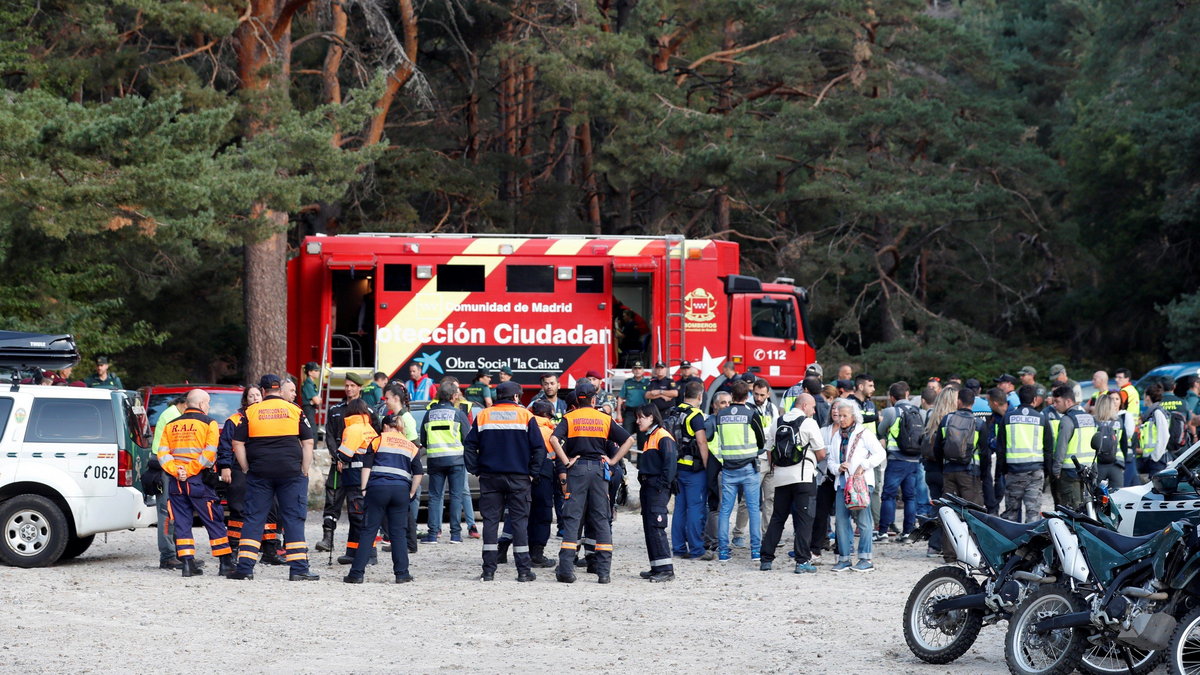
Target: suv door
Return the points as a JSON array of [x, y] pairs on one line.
[[80, 432]]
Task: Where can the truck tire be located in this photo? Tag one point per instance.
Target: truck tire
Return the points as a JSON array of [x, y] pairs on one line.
[[34, 533], [76, 546]]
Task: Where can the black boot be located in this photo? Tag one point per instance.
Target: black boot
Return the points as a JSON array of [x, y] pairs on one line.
[[270, 554], [537, 558], [503, 550], [347, 559], [190, 569], [326, 543], [227, 565]]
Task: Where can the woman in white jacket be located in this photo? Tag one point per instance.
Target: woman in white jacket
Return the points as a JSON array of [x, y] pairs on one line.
[[851, 451]]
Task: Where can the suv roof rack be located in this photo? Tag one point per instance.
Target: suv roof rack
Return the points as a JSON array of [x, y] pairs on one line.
[[30, 351]]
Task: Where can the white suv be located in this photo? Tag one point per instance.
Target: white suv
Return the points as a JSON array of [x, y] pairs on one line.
[[70, 461]]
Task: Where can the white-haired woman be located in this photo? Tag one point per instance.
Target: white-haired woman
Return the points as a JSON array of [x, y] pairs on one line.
[[852, 452]]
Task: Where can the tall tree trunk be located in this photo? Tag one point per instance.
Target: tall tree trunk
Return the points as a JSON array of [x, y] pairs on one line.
[[591, 189], [399, 78]]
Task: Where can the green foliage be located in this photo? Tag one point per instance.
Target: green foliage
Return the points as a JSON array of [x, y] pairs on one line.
[[1183, 326]]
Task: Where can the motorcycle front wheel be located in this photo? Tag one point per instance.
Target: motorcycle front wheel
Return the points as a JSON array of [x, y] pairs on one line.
[[1053, 652], [1183, 655], [941, 637]]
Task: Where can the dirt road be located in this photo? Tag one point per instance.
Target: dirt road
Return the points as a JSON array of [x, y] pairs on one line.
[[113, 609]]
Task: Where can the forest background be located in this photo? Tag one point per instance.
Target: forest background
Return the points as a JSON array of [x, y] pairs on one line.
[[963, 186]]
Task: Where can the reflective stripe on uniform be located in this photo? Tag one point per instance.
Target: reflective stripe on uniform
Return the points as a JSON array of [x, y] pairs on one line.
[[491, 547], [520, 549], [660, 562], [391, 471]]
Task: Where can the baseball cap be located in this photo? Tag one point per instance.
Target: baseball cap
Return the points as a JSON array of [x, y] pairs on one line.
[[594, 373], [584, 390], [508, 389], [637, 364], [101, 360], [355, 378], [1006, 378], [972, 383], [659, 364], [845, 384], [506, 370], [311, 366], [1027, 370], [269, 381], [1041, 391], [685, 364], [815, 369], [1056, 369]]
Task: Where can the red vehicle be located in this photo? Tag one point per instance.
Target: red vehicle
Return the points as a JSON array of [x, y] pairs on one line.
[[563, 304], [224, 399]]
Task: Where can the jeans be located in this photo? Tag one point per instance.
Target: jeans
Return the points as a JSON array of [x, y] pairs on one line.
[[691, 510], [845, 528], [438, 477], [901, 477], [166, 540], [924, 507], [745, 481]]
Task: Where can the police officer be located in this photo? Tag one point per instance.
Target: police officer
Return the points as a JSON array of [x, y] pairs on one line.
[[480, 391], [656, 473], [687, 527], [541, 508], [687, 373], [740, 441], [188, 447], [442, 435], [1075, 434], [582, 439], [274, 448], [506, 450], [392, 471], [357, 434], [335, 492], [1021, 457], [633, 396], [662, 391]]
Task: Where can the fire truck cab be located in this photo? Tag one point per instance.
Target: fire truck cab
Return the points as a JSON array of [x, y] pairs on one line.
[[456, 304]]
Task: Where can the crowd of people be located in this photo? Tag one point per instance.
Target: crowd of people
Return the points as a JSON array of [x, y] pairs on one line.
[[827, 456]]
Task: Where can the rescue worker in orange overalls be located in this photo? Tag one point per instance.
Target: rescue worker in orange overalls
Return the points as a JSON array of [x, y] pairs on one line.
[[188, 447], [358, 433], [581, 441]]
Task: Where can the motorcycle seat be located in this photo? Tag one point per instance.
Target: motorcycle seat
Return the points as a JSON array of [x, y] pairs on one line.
[[1118, 542], [1007, 528]]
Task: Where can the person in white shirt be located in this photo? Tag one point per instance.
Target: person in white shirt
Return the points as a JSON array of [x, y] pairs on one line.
[[852, 451], [795, 485]]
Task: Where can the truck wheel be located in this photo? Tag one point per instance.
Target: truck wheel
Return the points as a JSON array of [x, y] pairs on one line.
[[35, 531], [76, 546]]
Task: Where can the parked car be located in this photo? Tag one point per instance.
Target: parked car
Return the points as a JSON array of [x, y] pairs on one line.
[[71, 458], [225, 399], [1153, 505], [1166, 375]]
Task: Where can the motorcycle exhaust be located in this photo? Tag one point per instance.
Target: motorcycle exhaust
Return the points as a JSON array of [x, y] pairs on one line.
[[959, 534], [1134, 592], [1072, 620], [1030, 576], [1066, 545], [973, 601]]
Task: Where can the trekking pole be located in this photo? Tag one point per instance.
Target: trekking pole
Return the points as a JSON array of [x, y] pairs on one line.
[[332, 544]]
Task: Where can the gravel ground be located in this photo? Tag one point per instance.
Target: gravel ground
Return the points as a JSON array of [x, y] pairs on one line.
[[113, 609]]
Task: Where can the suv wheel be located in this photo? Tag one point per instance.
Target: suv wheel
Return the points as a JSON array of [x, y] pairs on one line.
[[34, 531]]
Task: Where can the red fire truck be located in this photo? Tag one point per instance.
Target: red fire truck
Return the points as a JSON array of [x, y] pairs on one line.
[[454, 304]]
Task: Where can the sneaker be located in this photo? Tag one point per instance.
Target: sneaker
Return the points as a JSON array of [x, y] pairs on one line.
[[430, 538], [764, 566], [792, 553], [739, 542], [892, 530], [755, 557], [473, 532], [904, 539], [841, 566], [709, 555], [863, 566], [932, 553], [456, 539], [815, 559], [876, 537], [804, 568], [723, 557]]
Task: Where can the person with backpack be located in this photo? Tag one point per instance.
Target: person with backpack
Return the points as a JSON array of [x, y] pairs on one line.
[[1156, 433], [685, 423], [1075, 432], [1107, 442], [1021, 457], [966, 462], [901, 427], [794, 455]]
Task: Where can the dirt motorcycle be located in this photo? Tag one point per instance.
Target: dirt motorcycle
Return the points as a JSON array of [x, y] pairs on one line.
[[948, 606], [1121, 594]]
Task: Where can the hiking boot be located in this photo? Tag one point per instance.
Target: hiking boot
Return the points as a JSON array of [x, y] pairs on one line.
[[863, 566], [351, 579], [647, 574], [604, 579], [226, 565], [526, 576], [170, 565], [502, 550], [304, 576], [537, 558], [661, 577], [804, 568], [345, 559], [709, 555], [487, 576], [239, 576], [326, 543], [189, 568], [565, 578], [270, 556], [404, 578]]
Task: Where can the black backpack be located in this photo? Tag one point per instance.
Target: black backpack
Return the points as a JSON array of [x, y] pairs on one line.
[[787, 450], [958, 445], [1105, 442], [1177, 431], [674, 424], [911, 431]]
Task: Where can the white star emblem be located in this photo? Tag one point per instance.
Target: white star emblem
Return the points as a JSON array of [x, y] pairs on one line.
[[710, 366]]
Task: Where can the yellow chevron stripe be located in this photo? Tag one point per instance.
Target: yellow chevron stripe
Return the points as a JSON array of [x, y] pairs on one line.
[[491, 246], [566, 246], [429, 309], [629, 247]]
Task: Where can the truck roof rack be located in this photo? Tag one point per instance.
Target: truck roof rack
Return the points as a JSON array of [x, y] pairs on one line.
[[31, 351]]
